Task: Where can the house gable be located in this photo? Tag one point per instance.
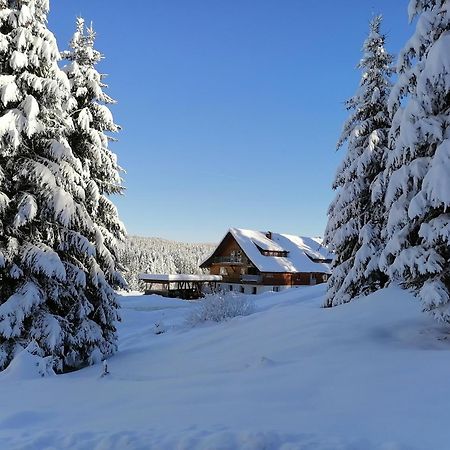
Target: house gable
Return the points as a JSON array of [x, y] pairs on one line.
[[227, 252]]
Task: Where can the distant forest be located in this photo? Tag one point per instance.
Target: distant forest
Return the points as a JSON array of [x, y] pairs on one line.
[[156, 255]]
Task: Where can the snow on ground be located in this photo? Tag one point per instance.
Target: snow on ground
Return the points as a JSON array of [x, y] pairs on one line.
[[373, 374]]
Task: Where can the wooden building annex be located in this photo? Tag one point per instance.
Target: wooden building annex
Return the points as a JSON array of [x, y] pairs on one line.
[[253, 262], [185, 286]]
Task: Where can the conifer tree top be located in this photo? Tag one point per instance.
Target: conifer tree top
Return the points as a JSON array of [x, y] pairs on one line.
[[82, 45], [376, 66]]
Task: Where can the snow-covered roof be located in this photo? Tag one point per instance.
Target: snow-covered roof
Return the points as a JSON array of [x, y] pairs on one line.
[[258, 238], [156, 277], [301, 251]]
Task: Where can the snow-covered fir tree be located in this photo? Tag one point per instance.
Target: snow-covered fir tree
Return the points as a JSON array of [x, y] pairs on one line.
[[39, 192], [50, 277], [356, 216], [89, 141], [417, 250]]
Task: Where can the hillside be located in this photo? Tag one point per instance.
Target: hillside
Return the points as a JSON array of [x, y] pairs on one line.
[[368, 375]]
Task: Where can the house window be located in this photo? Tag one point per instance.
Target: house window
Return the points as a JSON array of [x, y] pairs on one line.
[[254, 290], [242, 290], [276, 289], [236, 256], [231, 287]]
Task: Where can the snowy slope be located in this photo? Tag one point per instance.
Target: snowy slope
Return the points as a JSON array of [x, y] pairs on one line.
[[372, 374]]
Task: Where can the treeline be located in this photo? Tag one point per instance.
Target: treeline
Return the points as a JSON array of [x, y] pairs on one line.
[[156, 255]]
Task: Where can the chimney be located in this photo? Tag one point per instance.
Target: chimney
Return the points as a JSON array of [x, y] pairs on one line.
[[269, 235]]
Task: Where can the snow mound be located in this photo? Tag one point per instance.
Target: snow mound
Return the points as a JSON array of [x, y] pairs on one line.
[[27, 365]]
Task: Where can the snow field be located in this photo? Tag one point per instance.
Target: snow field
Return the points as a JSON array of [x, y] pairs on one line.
[[292, 375]]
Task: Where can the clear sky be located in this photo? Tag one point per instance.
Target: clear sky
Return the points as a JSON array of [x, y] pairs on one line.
[[230, 109]]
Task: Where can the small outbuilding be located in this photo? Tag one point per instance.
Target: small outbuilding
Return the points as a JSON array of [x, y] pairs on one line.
[[185, 286]]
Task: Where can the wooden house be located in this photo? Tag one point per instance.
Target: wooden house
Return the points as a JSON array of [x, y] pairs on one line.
[[253, 262]]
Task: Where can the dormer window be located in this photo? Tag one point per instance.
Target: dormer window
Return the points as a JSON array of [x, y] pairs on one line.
[[319, 260], [277, 253], [282, 254]]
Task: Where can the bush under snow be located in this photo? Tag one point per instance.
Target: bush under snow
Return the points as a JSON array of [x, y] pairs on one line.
[[218, 308]]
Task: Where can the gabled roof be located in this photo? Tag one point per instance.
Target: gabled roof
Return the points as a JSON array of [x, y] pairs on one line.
[[302, 251]]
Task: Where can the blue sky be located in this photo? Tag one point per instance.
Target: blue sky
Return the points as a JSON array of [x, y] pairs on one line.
[[230, 109]]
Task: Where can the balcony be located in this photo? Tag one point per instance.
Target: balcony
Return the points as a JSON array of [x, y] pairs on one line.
[[228, 260], [251, 278]]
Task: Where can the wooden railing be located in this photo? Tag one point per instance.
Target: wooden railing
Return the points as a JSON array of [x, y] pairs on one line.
[[242, 279], [228, 259], [251, 278]]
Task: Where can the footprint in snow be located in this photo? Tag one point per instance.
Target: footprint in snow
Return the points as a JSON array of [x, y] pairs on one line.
[[262, 362]]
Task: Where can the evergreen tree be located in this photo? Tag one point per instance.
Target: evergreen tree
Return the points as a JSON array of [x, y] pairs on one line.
[[356, 216], [417, 250], [38, 201], [89, 140], [49, 244]]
